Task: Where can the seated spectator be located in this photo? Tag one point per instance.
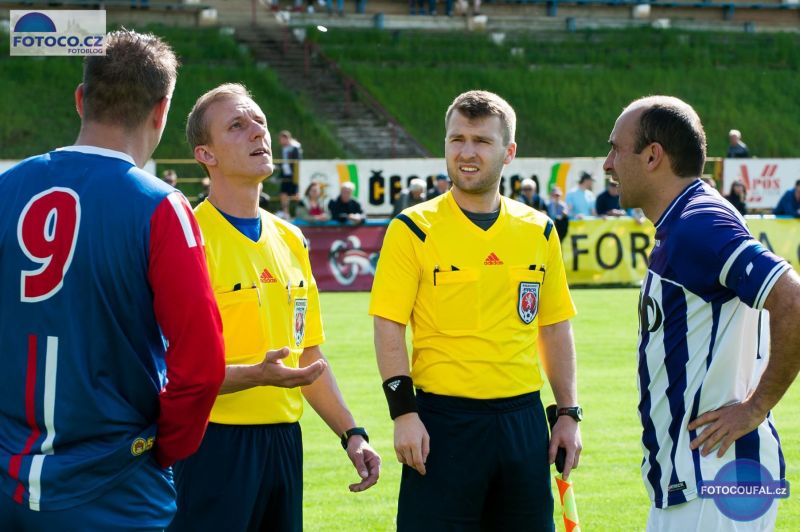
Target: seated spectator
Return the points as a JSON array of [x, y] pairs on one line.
[[558, 211], [311, 208], [789, 205], [737, 149], [528, 195], [170, 177], [580, 200], [607, 203], [345, 208], [737, 196], [440, 186], [414, 194]]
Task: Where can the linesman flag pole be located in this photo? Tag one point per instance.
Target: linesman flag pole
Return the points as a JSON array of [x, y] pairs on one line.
[[568, 508]]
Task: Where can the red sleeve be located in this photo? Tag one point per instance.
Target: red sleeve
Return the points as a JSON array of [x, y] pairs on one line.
[[187, 313]]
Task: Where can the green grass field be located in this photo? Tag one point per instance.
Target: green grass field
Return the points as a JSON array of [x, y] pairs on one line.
[[609, 490]]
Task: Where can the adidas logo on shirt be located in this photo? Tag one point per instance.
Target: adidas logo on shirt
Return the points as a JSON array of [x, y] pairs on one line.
[[267, 277], [492, 260]]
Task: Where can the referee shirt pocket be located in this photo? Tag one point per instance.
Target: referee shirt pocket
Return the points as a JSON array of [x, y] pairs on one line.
[[242, 327], [457, 297]]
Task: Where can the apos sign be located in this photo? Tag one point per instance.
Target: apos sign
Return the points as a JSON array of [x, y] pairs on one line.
[[62, 32], [765, 179]]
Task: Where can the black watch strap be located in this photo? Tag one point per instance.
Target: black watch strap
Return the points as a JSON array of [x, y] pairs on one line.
[[575, 412], [355, 431]]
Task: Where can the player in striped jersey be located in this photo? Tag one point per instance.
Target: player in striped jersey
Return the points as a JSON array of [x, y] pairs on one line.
[[112, 346], [708, 374]]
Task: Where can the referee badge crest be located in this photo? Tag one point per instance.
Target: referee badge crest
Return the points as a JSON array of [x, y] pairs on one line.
[[528, 303], [300, 306]]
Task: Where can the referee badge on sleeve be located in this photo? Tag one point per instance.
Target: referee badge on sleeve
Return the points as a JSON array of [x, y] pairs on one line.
[[300, 306], [528, 303]]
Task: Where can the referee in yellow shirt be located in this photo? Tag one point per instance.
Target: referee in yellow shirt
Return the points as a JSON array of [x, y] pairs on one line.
[[248, 472], [481, 280]]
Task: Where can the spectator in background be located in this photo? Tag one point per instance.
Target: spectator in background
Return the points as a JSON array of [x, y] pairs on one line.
[[345, 208], [558, 211], [311, 208], [737, 149], [789, 205], [413, 195], [206, 184], [291, 153], [440, 186], [528, 195], [709, 181], [170, 177], [737, 196], [581, 200], [608, 201], [462, 6]]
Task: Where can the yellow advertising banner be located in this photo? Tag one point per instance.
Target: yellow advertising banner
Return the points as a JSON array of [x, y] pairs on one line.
[[615, 251]]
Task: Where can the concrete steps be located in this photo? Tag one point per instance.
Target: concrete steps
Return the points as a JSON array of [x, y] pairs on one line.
[[363, 128]]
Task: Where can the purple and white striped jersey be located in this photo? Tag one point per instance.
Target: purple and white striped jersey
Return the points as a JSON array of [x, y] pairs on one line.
[[703, 340]]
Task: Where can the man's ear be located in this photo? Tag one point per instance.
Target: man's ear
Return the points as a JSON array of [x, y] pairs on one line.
[[655, 155], [79, 100], [511, 152], [204, 155], [160, 111]]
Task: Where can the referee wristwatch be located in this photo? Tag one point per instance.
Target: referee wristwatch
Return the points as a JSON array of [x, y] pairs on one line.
[[575, 412], [355, 431]]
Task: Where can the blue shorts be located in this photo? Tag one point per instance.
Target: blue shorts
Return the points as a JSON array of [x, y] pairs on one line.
[[144, 501], [487, 468], [243, 478]]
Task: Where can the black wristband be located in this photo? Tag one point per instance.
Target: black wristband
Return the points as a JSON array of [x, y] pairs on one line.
[[399, 392]]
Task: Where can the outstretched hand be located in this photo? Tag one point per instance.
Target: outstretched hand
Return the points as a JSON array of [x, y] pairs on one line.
[[273, 372]]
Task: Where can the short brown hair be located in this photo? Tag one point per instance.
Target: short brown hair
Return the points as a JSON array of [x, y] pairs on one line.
[[122, 86], [196, 126], [483, 104], [675, 125]]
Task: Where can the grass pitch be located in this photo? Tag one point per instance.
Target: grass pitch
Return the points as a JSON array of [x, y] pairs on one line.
[[609, 491]]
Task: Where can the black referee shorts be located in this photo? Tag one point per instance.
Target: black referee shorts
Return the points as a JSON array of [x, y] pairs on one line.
[[243, 478], [487, 469]]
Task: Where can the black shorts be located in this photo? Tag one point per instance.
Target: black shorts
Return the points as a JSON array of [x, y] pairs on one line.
[[243, 477], [288, 186], [487, 468]]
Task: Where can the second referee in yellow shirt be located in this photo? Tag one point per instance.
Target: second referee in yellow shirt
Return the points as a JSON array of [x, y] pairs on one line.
[[482, 282]]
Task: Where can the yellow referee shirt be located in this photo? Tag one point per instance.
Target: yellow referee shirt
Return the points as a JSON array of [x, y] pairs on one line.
[[268, 299], [475, 298]]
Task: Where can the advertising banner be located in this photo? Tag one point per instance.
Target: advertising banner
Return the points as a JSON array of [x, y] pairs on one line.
[[377, 181], [765, 179], [596, 252]]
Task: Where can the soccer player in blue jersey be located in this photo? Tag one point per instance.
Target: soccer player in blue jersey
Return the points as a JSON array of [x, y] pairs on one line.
[[111, 340], [708, 374]]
